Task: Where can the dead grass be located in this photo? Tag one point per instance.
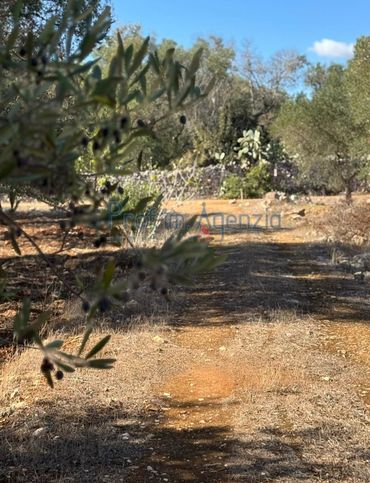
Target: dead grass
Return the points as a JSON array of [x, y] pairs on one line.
[[299, 418], [243, 391], [345, 224], [82, 424]]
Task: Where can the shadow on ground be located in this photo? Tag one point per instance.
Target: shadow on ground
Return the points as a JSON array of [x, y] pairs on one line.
[[109, 444], [260, 278]]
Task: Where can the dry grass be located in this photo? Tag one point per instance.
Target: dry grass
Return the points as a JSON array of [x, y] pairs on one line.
[[299, 418], [254, 389], [82, 424], [346, 224]]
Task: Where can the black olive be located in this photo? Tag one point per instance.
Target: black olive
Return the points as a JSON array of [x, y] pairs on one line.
[[59, 375], [85, 306], [123, 122], [103, 304]]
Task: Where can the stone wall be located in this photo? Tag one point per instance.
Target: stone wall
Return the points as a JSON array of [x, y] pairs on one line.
[[191, 182]]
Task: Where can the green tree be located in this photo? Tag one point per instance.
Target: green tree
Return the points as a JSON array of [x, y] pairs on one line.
[[33, 14], [358, 81], [55, 111], [322, 133]]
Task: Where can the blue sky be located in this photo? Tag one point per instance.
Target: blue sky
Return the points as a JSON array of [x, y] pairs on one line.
[[270, 25]]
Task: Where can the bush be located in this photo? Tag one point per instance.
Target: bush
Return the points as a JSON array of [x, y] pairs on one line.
[[257, 181], [231, 186], [254, 184], [346, 225], [139, 190]]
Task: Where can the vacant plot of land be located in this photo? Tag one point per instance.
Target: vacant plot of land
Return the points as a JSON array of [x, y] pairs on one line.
[[260, 372]]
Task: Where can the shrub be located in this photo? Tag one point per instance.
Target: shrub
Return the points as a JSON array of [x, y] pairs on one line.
[[231, 186], [346, 225], [257, 181], [138, 190], [254, 184]]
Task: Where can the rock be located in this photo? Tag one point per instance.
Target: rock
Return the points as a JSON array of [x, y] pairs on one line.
[[344, 264], [282, 196], [39, 432], [361, 262], [300, 213], [232, 202], [152, 470], [158, 339]]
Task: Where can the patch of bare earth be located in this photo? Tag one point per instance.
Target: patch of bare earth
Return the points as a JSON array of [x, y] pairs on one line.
[[260, 374]]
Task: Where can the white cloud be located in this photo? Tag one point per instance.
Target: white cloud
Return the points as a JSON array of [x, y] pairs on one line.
[[332, 48]]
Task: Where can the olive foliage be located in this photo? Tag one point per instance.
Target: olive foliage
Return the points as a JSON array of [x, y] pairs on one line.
[[59, 106]]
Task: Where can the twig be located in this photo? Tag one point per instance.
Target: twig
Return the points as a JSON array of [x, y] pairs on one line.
[[10, 222]]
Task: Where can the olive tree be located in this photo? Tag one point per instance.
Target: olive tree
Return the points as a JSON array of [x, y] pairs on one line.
[[57, 109], [321, 132]]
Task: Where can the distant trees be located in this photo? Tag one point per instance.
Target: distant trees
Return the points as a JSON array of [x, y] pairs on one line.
[[323, 129], [358, 82], [243, 97], [327, 131], [270, 79]]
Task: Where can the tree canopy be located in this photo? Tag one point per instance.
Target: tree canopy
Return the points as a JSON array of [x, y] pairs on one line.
[[327, 129]]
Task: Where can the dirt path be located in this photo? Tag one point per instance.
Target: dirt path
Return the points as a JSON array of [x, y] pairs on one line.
[[266, 273], [262, 374]]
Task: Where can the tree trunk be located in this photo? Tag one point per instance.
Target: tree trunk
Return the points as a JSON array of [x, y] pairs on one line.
[[348, 191]]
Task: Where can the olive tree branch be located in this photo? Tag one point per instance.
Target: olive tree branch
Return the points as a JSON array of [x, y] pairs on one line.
[[11, 223]]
